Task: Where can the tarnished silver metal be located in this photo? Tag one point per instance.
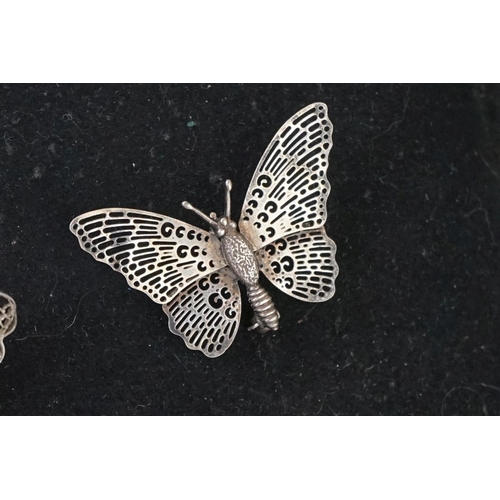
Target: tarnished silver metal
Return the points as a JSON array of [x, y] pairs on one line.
[[8, 319], [194, 274]]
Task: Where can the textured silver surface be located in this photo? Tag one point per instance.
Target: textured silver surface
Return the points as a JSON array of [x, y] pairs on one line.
[[194, 274], [240, 258], [8, 319]]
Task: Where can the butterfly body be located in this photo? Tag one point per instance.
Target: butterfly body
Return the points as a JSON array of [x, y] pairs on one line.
[[240, 257], [241, 260], [194, 273], [243, 263]]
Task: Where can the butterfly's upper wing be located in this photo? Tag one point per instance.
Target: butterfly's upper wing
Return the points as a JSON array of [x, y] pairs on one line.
[[301, 265], [158, 255], [207, 313], [289, 189]]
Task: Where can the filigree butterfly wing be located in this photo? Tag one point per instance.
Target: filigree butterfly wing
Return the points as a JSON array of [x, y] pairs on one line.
[[302, 265], [8, 319], [158, 255], [207, 313], [289, 189]]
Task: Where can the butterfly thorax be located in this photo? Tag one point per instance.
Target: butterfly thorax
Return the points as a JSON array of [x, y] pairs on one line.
[[240, 257]]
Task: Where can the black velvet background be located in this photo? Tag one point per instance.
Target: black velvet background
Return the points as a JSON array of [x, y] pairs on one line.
[[414, 210]]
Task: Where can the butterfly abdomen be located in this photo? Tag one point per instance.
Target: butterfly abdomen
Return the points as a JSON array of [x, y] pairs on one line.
[[266, 314]]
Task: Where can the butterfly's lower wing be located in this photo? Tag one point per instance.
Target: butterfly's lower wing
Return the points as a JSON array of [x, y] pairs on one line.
[[289, 189], [207, 313], [158, 255], [302, 265]]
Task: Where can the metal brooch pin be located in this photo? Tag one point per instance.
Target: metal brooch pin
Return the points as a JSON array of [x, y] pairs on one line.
[[194, 274], [8, 319]]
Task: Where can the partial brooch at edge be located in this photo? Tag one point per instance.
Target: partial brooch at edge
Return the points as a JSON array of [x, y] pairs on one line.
[[8, 319]]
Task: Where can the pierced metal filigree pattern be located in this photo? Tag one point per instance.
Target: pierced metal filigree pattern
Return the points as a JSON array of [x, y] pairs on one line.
[[207, 314], [8, 319], [289, 189], [194, 274], [158, 255], [302, 265]]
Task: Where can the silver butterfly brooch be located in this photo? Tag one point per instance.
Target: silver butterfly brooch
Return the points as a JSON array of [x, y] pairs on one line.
[[8, 319], [194, 273]]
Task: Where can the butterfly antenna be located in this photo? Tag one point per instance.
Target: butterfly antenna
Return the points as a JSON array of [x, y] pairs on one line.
[[206, 218], [229, 186]]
